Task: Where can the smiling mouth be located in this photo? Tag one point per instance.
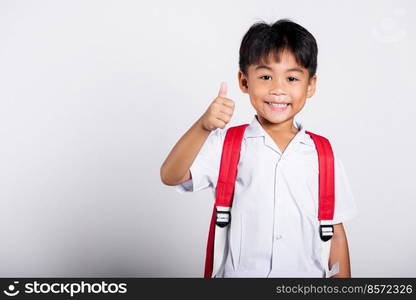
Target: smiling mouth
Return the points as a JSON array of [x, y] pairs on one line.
[[278, 106]]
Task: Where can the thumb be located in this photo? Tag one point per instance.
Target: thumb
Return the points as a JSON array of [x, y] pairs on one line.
[[223, 90]]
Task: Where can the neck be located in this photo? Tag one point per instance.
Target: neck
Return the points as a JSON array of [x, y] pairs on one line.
[[277, 128]]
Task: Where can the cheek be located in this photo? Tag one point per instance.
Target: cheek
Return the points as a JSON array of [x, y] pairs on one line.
[[257, 94], [299, 94]]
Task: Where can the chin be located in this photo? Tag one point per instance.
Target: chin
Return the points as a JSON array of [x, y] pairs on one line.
[[277, 120]]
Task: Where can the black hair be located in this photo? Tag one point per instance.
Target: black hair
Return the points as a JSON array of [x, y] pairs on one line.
[[263, 39]]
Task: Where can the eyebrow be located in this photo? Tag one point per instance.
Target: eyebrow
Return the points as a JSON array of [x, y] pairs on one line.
[[287, 70]]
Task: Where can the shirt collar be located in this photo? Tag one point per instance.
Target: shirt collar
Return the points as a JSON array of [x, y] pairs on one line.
[[256, 130]]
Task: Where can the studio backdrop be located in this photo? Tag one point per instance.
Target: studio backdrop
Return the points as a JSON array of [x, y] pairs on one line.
[[94, 94]]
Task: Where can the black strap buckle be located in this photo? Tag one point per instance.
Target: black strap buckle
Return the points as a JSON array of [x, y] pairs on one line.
[[223, 218], [326, 232]]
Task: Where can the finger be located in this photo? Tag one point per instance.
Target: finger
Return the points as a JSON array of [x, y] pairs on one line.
[[223, 90], [219, 123], [223, 117], [228, 103], [227, 110], [221, 105]]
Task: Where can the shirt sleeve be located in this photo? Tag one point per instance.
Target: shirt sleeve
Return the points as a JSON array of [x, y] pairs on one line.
[[345, 205], [205, 168]]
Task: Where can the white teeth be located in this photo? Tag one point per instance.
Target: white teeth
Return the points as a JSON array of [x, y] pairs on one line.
[[278, 104]]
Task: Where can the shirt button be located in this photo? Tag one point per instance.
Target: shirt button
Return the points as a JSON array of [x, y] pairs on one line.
[[278, 236]]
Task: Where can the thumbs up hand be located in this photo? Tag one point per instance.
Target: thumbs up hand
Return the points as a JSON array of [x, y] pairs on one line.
[[220, 111]]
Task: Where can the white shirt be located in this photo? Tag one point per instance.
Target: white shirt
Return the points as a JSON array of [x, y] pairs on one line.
[[274, 229]]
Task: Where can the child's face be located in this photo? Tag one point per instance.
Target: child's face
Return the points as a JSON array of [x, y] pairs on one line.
[[283, 82]]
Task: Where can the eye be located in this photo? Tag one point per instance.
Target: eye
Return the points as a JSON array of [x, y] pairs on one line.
[[268, 77], [291, 79]]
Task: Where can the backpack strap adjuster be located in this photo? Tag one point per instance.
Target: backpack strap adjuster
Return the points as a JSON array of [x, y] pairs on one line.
[[223, 216], [326, 230]]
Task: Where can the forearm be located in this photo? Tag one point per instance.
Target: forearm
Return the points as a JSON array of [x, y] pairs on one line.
[[176, 165], [339, 252]]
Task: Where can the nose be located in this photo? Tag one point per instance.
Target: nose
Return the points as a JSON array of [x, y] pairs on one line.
[[277, 92], [278, 87]]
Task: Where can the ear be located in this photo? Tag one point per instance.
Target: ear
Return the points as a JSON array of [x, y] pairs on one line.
[[242, 81], [311, 87]]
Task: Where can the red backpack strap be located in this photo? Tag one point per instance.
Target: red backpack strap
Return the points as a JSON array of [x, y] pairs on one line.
[[326, 185], [225, 189]]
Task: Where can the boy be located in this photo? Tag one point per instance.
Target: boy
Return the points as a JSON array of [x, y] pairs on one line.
[[274, 224]]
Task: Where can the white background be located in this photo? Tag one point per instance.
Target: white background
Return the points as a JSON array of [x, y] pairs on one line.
[[94, 94]]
